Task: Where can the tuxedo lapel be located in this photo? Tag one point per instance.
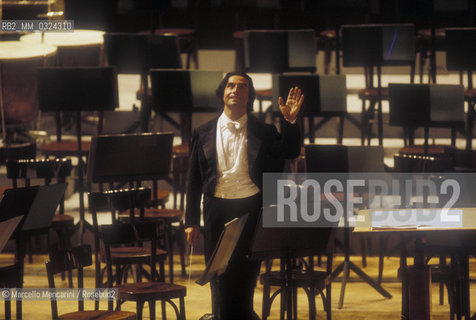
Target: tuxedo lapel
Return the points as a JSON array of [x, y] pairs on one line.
[[209, 144], [254, 143]]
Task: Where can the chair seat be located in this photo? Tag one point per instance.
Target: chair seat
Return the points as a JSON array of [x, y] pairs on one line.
[[181, 150], [62, 221], [180, 32], [265, 94], [162, 196], [65, 148], [433, 150], [372, 93], [150, 291], [442, 273], [133, 255], [98, 315], [470, 94], [316, 279], [440, 34], [170, 215]]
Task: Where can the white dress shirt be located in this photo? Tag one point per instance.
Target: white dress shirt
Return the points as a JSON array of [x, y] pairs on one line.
[[234, 181]]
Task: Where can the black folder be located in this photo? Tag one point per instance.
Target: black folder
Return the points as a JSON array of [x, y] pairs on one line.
[[224, 249]]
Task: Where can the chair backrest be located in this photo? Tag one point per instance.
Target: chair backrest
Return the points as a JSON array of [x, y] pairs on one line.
[[111, 201], [75, 258], [130, 233], [46, 169]]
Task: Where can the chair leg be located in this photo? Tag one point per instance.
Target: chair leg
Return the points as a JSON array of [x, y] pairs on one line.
[[282, 307], [139, 308], [295, 300], [312, 303], [363, 247], [265, 306], [8, 309], [363, 123], [164, 314], [182, 308], [329, 301], [341, 130], [152, 309], [170, 250], [180, 236]]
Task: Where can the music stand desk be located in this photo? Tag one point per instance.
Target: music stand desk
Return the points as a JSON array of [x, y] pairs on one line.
[[224, 250], [468, 228], [116, 158]]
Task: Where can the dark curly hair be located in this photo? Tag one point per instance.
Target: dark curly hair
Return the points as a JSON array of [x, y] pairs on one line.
[[251, 90]]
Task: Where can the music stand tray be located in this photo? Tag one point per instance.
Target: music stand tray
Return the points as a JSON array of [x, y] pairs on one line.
[[280, 51], [325, 94], [7, 228], [37, 204], [129, 157], [224, 250], [426, 105], [77, 89], [184, 91]]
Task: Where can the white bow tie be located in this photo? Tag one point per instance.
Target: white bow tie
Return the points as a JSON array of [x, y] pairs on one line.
[[234, 126]]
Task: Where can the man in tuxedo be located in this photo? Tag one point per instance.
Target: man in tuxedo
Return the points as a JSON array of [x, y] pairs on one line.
[[228, 157]]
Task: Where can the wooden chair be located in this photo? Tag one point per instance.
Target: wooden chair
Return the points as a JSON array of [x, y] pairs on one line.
[[178, 19], [140, 292], [46, 170], [122, 257], [137, 170], [10, 277], [77, 258], [290, 244], [363, 46]]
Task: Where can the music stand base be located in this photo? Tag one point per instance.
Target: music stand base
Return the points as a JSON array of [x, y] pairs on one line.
[[346, 267]]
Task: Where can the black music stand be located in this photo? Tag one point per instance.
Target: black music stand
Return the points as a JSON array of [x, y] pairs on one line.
[[128, 158], [279, 51], [325, 96], [137, 53], [460, 56], [287, 243], [76, 90], [344, 159], [226, 244], [426, 105], [37, 205], [372, 46], [185, 92]]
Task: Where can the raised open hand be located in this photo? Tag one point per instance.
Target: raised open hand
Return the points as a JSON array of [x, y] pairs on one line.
[[293, 104]]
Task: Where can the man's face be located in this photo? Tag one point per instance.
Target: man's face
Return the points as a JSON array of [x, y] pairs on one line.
[[236, 93]]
